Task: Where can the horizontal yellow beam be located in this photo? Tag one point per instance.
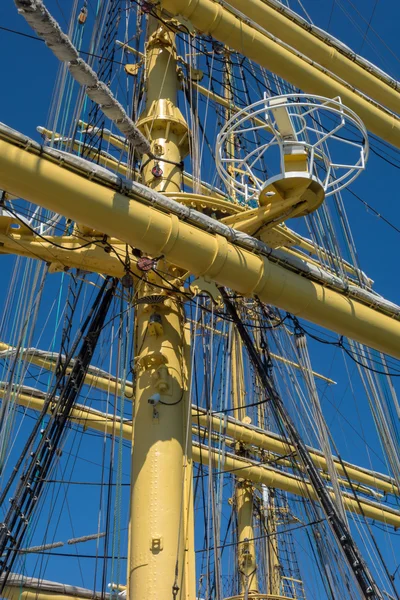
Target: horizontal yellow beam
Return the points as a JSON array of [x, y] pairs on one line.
[[88, 417], [117, 165], [233, 428], [295, 365], [274, 460], [115, 140], [319, 50], [108, 384], [129, 49], [273, 443], [106, 423], [81, 415], [23, 592], [317, 262], [130, 219], [92, 258], [277, 357], [225, 103], [211, 18], [29, 588], [258, 473]]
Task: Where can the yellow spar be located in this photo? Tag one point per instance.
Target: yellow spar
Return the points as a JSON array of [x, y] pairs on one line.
[[91, 418], [213, 18], [322, 51], [41, 180], [121, 227]]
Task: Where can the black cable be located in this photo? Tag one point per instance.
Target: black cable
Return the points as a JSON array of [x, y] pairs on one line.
[[385, 568], [31, 482], [180, 164], [340, 344], [95, 483], [267, 536], [395, 363], [243, 65], [216, 313], [341, 533], [21, 33], [173, 403], [38, 39], [65, 554], [44, 238], [372, 209]]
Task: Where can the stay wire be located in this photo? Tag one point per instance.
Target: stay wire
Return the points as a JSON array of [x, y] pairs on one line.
[[376, 546], [345, 541], [339, 344]]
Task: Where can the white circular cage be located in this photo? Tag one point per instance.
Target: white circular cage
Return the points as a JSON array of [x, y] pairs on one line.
[[255, 147]]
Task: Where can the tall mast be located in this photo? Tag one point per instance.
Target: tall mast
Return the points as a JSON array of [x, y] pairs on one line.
[[161, 463], [246, 552], [274, 567], [247, 564], [228, 112]]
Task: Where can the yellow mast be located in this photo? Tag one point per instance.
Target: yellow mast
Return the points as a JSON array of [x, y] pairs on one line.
[[274, 568], [317, 46], [246, 551], [161, 461], [27, 174], [243, 488], [246, 547]]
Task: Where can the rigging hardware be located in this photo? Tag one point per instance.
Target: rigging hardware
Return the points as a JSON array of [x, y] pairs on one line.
[[343, 536], [157, 171], [307, 160], [145, 263], [83, 15], [40, 461]]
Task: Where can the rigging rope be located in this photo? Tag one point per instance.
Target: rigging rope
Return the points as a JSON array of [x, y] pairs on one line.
[[39, 18], [29, 488], [345, 541]]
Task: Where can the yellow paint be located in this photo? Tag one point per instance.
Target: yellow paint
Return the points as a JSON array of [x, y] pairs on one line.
[[265, 441], [111, 384], [88, 418], [93, 419], [22, 592], [294, 485], [211, 18], [246, 551], [226, 103], [320, 51], [274, 566], [92, 258], [50, 185], [161, 520]]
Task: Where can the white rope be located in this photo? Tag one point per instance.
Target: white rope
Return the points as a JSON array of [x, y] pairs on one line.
[[41, 21], [305, 362]]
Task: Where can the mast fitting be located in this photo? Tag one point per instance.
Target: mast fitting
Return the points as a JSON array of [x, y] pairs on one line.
[[314, 147]]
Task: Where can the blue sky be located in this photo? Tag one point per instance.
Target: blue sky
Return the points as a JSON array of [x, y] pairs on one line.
[[28, 71]]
